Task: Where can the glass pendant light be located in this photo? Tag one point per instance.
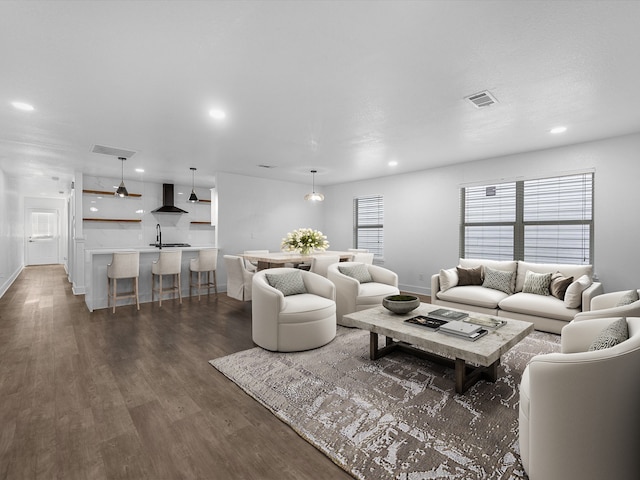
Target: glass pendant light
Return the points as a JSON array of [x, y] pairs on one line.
[[193, 197], [122, 190], [313, 196]]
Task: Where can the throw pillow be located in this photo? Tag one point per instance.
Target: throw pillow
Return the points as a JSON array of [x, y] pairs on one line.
[[469, 276], [448, 279], [615, 333], [628, 298], [289, 283], [573, 295], [559, 284], [537, 283], [358, 271], [498, 280]]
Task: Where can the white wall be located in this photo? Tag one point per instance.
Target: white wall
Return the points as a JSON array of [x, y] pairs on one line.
[[11, 231], [256, 213], [422, 209]]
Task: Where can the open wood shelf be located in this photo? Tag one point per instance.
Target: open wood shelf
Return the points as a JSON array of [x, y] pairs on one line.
[[126, 220], [201, 223], [102, 192]]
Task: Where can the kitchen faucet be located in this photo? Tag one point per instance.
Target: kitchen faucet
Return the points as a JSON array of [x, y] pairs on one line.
[[158, 236]]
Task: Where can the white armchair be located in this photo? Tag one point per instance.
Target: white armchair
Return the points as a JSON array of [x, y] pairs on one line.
[[294, 322], [579, 414], [238, 278], [605, 306], [352, 296]]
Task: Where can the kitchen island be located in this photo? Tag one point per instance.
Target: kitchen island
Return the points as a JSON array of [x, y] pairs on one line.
[[96, 261]]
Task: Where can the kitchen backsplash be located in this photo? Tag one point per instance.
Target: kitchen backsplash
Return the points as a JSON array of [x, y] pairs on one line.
[[136, 224]]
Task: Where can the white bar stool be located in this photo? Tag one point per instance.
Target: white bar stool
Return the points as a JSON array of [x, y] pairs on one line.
[[123, 265], [168, 263], [206, 262]]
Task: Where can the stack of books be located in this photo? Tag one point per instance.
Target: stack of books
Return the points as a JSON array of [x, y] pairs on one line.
[[447, 315], [464, 330]]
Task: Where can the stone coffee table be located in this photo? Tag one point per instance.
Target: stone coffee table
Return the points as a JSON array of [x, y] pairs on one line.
[[471, 360]]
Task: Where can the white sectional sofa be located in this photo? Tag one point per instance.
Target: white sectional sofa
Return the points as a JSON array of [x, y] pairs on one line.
[[500, 290]]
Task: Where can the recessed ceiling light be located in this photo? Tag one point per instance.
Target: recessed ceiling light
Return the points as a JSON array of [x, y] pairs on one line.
[[558, 130], [23, 106], [393, 163], [140, 170], [217, 114]]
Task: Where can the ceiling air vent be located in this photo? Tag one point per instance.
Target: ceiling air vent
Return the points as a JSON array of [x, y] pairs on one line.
[[114, 152], [482, 99]]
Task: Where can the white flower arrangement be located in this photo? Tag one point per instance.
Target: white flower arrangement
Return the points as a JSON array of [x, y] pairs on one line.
[[304, 240]]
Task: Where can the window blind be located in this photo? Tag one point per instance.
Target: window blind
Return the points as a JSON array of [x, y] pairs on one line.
[[547, 220], [368, 224]]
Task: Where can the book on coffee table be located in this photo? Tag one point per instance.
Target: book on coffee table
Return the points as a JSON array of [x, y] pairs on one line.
[[446, 314], [460, 328], [470, 338], [430, 323]]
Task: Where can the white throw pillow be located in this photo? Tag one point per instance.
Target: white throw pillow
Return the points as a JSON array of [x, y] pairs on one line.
[[448, 279], [573, 295]]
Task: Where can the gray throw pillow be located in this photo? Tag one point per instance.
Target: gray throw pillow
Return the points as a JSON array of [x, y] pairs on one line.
[[358, 271], [469, 276], [615, 333], [498, 280], [537, 283], [628, 298], [559, 284], [289, 283]]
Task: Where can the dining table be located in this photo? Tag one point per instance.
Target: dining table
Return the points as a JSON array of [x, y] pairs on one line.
[[280, 259]]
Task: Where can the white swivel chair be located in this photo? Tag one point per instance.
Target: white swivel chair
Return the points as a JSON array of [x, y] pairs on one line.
[[206, 262], [168, 263], [238, 278], [320, 263], [123, 265], [579, 414], [353, 295], [253, 266], [294, 322], [606, 306]]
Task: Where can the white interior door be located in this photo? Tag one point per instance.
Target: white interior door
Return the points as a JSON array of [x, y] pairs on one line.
[[42, 237]]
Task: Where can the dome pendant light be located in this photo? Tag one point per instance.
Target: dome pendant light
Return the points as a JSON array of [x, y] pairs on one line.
[[122, 190], [313, 196], [193, 197]]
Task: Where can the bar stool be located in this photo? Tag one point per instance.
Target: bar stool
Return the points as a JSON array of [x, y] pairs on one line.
[[123, 265], [168, 263], [206, 262]]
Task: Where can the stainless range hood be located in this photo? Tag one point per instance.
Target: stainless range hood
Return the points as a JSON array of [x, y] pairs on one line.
[[168, 205]]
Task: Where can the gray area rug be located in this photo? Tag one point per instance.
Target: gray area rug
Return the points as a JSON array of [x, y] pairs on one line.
[[396, 417]]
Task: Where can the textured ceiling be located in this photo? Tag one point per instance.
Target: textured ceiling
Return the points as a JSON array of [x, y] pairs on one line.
[[342, 87]]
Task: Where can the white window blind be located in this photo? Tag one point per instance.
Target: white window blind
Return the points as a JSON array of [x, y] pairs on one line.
[[368, 224], [547, 220]]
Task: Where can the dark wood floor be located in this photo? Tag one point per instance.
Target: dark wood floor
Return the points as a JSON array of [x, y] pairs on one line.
[[131, 395]]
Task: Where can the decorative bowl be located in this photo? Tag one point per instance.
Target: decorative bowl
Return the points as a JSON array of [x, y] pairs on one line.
[[401, 303]]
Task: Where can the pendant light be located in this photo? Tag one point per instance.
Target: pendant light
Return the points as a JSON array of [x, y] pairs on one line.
[[193, 197], [313, 196], [122, 190]]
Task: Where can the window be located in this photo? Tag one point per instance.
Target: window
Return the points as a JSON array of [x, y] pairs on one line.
[[548, 220], [368, 219]]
